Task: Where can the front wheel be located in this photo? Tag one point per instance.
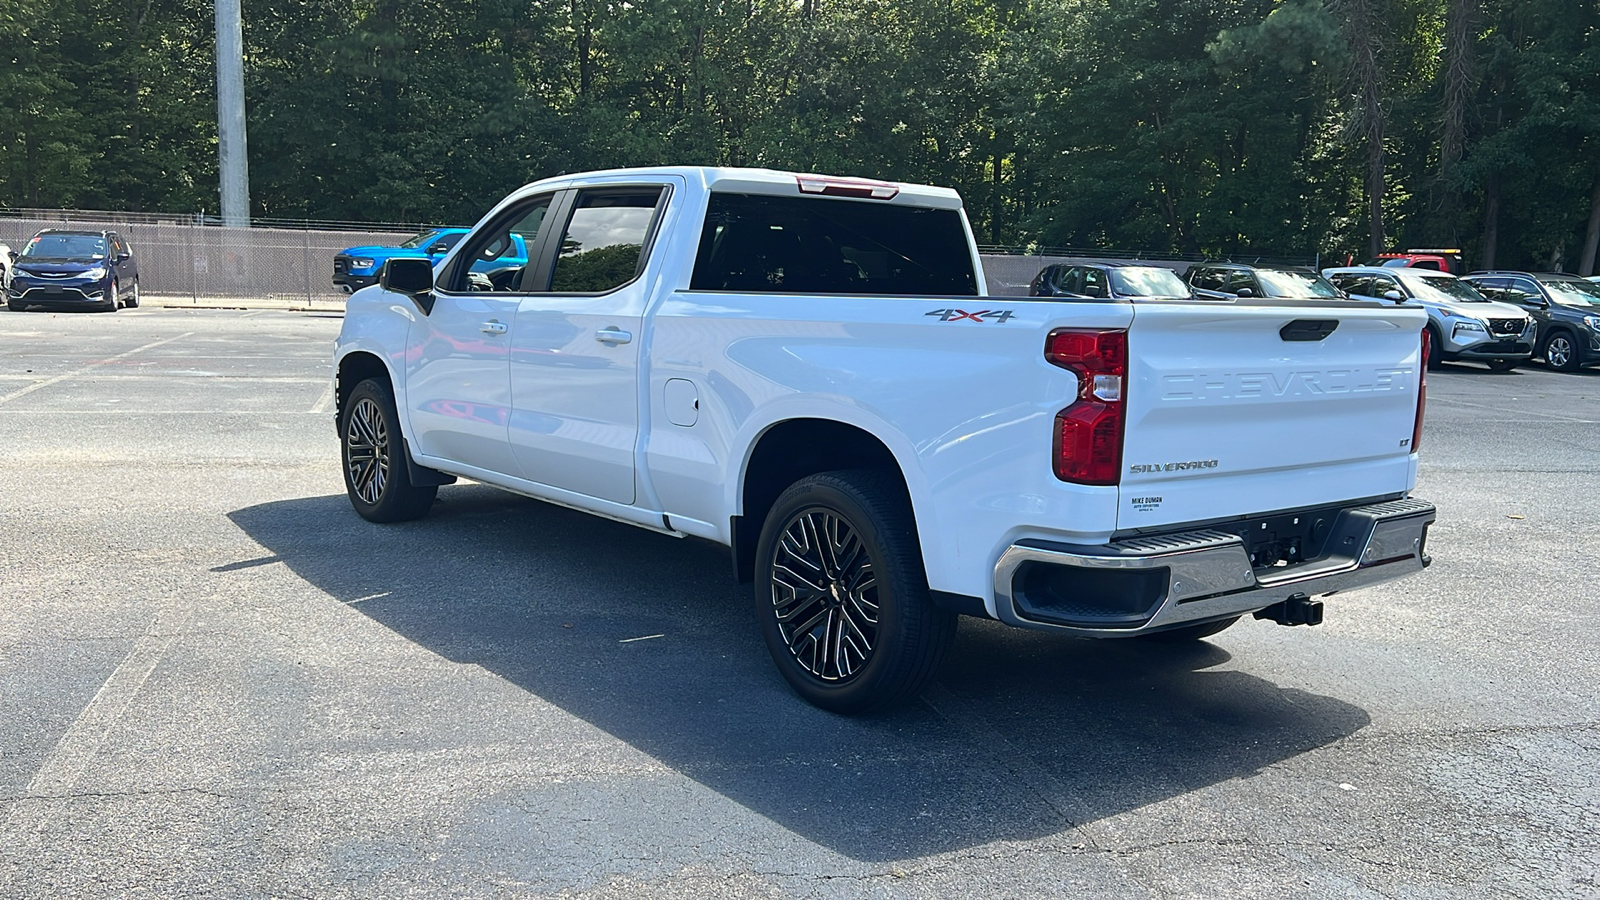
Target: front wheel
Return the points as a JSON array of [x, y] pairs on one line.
[[841, 593], [1561, 352], [1436, 351], [111, 297], [374, 454], [1502, 365]]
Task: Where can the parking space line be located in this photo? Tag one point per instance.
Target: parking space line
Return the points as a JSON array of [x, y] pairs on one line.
[[1521, 411], [324, 403], [89, 368]]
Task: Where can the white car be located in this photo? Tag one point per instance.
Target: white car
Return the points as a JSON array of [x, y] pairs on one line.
[[5, 267], [1463, 324], [807, 370]]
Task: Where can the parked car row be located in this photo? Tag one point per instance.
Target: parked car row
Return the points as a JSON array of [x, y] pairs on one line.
[[1502, 319], [69, 268]]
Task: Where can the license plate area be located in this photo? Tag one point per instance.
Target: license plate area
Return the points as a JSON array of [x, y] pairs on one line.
[[1284, 539]]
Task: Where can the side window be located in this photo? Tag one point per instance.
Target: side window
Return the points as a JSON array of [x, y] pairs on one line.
[[442, 246], [1060, 276], [1238, 281], [1382, 284], [1493, 288], [753, 243], [1069, 280], [1206, 279], [1431, 264], [1351, 283], [603, 243], [488, 261], [1523, 291], [1094, 283]]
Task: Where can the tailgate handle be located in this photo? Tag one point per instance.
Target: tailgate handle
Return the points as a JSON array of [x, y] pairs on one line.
[[1308, 329]]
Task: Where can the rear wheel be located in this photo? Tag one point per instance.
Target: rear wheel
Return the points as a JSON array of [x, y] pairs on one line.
[[841, 593], [1190, 632], [1561, 352], [1503, 365], [374, 454], [133, 298]]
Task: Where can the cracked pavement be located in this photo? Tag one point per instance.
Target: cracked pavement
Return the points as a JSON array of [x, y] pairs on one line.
[[217, 681]]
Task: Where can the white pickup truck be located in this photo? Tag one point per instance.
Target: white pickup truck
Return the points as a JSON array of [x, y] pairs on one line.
[[807, 370]]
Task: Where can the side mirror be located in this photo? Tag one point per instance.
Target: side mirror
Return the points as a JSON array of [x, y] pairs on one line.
[[13, 254], [438, 250], [412, 277], [1244, 292], [1394, 295], [124, 257]]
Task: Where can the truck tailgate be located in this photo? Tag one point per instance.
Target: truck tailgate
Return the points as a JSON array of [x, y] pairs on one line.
[[1240, 409]]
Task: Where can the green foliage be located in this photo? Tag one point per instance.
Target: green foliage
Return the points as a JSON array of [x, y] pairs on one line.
[[1228, 127]]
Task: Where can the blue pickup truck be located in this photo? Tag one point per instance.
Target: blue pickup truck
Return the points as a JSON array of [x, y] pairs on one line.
[[356, 267]]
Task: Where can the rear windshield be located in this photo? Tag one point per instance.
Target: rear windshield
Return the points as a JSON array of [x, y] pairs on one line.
[[761, 244]]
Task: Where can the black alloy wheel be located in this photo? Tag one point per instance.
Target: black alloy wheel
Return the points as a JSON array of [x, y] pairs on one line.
[[1561, 352], [842, 596], [375, 474]]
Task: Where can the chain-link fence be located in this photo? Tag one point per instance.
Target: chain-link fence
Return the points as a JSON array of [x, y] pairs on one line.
[[192, 256], [196, 258]]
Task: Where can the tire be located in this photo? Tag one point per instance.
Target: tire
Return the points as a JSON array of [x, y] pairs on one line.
[[133, 300], [1561, 352], [111, 298], [373, 453], [1188, 633], [1436, 355], [841, 594], [1503, 365], [15, 307]]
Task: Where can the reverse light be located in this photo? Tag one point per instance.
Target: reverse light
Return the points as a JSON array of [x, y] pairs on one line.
[[1087, 442], [847, 187], [1422, 389]]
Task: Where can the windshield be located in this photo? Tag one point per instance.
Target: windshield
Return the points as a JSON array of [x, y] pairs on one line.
[[1147, 281], [418, 240], [66, 246], [1444, 290], [1296, 285], [1574, 293]]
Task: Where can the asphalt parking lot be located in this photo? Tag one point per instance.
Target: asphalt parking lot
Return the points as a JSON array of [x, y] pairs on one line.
[[217, 681]]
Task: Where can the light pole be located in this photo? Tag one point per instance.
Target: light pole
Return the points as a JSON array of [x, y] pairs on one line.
[[232, 162]]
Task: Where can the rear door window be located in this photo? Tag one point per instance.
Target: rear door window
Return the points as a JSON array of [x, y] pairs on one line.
[[603, 245], [761, 244]]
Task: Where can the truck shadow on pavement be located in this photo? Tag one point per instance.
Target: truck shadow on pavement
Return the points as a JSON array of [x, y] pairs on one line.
[[1024, 735]]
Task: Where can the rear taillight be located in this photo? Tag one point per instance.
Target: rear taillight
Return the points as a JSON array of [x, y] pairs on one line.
[[1422, 390], [1088, 434]]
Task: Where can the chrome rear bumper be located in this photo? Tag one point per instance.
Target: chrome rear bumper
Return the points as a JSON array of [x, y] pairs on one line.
[[1153, 583]]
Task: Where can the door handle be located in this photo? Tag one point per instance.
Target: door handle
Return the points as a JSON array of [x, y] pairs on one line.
[[612, 335], [493, 327]]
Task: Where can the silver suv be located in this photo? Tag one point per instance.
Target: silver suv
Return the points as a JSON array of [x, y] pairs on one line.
[[1464, 324]]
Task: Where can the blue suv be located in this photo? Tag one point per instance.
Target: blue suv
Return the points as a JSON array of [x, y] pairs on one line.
[[62, 268], [358, 267]]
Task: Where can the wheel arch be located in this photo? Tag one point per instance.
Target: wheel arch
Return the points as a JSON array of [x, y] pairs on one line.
[[788, 450], [355, 367]]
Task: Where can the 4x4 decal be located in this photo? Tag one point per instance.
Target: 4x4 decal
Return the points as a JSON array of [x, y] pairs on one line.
[[956, 315]]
